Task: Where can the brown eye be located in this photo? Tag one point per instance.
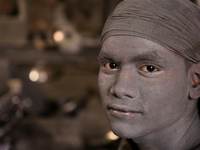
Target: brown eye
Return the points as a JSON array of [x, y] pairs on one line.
[[111, 66], [149, 69]]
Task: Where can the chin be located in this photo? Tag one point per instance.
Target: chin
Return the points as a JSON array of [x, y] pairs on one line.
[[122, 134], [124, 131]]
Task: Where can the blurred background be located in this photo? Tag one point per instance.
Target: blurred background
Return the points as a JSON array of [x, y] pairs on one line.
[[49, 96]]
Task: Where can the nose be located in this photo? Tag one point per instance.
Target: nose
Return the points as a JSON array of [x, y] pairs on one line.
[[125, 85]]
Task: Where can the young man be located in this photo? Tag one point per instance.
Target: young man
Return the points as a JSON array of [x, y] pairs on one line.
[[149, 77]]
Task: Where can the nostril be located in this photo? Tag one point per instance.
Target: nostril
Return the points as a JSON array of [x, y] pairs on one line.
[[121, 96], [129, 96], [115, 95]]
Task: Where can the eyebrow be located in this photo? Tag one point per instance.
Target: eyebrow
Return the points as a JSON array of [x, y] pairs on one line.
[[148, 56], [103, 55]]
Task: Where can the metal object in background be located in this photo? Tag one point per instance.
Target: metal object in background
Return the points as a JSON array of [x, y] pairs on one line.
[[11, 108], [14, 27]]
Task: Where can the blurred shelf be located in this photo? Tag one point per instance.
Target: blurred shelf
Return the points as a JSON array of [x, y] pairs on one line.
[[30, 56]]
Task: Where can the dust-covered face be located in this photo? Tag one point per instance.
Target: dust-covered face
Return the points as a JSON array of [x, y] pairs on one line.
[[143, 86]]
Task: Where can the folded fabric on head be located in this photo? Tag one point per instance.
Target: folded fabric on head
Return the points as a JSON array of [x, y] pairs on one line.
[[174, 24]]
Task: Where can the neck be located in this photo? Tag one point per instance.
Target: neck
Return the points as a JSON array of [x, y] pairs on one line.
[[183, 135]]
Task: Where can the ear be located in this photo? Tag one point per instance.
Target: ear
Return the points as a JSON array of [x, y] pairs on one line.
[[195, 84]]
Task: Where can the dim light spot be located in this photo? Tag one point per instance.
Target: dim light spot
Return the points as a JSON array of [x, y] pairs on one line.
[[43, 77]]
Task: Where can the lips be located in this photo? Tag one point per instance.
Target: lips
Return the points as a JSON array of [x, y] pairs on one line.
[[122, 111]]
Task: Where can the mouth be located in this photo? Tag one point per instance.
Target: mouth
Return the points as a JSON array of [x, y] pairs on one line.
[[122, 111]]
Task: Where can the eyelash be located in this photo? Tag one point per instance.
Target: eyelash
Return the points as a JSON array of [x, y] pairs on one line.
[[149, 68], [107, 65]]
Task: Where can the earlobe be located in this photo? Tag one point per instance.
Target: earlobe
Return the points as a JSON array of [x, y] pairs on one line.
[[195, 86], [195, 80]]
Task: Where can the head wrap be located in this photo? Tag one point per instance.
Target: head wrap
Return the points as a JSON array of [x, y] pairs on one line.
[[174, 24]]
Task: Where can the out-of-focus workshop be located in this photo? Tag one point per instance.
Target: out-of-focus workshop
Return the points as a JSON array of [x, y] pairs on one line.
[[49, 97]]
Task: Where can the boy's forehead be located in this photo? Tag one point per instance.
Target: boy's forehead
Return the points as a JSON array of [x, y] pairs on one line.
[[159, 21], [135, 49]]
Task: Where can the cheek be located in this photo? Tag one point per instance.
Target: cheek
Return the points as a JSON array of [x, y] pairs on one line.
[[104, 82], [166, 96]]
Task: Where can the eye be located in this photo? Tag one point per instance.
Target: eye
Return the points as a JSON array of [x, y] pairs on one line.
[[149, 68], [111, 66]]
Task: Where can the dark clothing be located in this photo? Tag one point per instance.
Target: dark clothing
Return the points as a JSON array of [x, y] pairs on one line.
[[126, 144]]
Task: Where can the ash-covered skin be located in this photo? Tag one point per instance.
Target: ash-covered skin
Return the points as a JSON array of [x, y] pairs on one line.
[[148, 94]]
